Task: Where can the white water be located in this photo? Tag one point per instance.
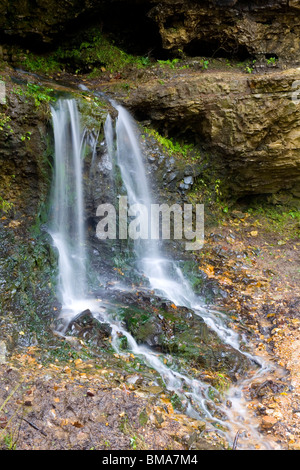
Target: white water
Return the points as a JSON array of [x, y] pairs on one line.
[[165, 277], [67, 224]]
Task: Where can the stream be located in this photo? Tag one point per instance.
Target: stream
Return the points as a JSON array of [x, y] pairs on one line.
[[165, 277]]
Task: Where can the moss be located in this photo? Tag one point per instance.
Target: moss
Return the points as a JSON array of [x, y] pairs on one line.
[[46, 64], [90, 53], [278, 213], [143, 418], [187, 151]]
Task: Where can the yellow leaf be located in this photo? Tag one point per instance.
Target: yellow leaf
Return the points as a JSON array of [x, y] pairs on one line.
[[209, 270]]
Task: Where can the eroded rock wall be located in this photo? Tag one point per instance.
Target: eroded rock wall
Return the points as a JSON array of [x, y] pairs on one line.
[[210, 28], [250, 122]]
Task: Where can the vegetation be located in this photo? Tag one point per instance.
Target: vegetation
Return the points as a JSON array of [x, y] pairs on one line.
[[173, 147], [5, 124], [92, 53], [272, 61], [278, 216], [38, 93], [5, 206]]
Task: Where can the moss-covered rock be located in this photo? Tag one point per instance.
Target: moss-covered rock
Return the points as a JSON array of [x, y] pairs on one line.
[[180, 332]]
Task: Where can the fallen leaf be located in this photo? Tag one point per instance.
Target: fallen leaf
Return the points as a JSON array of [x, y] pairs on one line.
[[77, 424]]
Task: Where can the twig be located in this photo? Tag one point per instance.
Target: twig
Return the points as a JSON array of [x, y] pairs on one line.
[[9, 397], [34, 426], [236, 440]]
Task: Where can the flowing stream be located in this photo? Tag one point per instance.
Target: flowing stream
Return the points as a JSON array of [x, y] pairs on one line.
[[165, 277]]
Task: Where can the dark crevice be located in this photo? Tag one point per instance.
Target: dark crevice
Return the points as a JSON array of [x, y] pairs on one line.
[[271, 56], [216, 49], [174, 21]]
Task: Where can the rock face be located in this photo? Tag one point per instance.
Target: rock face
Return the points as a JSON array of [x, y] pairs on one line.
[[209, 28], [25, 169], [230, 27], [251, 123]]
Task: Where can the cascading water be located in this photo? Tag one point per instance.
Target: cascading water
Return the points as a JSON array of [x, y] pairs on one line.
[[165, 277], [67, 226]]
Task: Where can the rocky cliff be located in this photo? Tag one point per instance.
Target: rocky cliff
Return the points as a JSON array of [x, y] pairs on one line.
[[250, 123], [196, 27]]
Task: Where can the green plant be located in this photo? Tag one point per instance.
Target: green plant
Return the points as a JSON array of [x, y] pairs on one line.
[[250, 66], [133, 442], [169, 63], [38, 93], [4, 123], [46, 63], [10, 436], [26, 136], [172, 146], [271, 61], [97, 54], [144, 61], [204, 64], [218, 190], [5, 206]]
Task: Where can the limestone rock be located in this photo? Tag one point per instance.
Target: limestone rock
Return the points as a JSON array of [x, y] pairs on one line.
[[251, 123], [214, 27]]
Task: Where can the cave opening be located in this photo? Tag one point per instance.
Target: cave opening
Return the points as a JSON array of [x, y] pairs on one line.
[[213, 48], [271, 56], [128, 27]]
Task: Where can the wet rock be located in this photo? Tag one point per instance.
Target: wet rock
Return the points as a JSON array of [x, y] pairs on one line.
[[266, 389], [268, 422], [188, 180], [85, 326], [238, 29], [238, 214], [183, 334]]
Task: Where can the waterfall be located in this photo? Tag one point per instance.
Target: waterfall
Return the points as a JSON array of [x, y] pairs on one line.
[[167, 280], [67, 226]]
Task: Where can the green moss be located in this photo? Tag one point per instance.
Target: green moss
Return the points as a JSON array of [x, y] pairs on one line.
[[90, 52], [278, 213], [171, 146], [5, 206], [143, 418], [5, 124], [42, 64]]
